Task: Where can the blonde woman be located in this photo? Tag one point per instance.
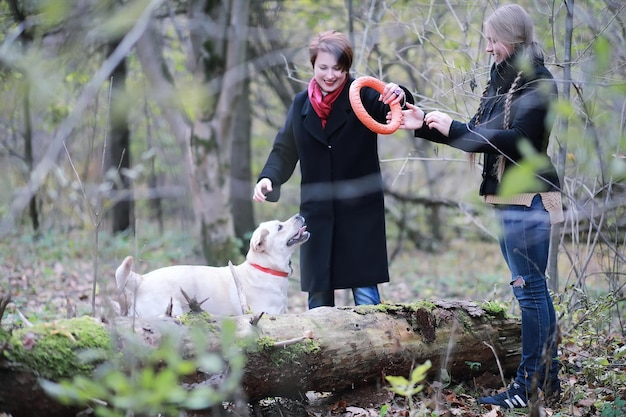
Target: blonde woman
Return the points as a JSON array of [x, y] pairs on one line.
[[514, 111]]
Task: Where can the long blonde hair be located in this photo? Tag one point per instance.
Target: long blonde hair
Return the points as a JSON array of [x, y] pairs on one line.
[[514, 27]]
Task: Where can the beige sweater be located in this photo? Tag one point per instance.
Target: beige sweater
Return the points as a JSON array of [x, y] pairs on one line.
[[551, 201]]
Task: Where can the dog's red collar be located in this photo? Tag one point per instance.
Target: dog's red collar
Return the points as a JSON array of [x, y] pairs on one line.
[[270, 271]]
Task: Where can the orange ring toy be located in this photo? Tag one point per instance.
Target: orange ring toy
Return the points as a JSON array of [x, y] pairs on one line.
[[361, 111]]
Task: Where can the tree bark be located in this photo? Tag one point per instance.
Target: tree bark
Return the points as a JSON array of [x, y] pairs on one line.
[[359, 346], [119, 158], [350, 347], [218, 37], [241, 174], [27, 38], [222, 62]]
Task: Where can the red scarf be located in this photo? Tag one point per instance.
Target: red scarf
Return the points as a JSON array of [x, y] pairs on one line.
[[322, 104]]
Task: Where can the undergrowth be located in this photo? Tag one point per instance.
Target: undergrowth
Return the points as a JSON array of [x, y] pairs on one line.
[[52, 278]]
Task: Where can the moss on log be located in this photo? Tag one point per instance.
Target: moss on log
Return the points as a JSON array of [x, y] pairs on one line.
[[325, 349]]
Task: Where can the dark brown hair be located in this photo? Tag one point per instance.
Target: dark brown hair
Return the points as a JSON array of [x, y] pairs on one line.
[[335, 43]]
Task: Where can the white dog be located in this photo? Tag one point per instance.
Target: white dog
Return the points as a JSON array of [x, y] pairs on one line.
[[257, 285]]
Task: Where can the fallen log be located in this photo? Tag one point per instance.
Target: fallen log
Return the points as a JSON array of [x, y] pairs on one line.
[[359, 346], [324, 350]]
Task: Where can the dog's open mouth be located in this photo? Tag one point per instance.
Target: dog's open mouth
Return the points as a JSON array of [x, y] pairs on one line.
[[300, 237]]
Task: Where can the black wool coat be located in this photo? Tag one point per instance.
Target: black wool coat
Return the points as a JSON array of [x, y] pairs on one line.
[[341, 191]]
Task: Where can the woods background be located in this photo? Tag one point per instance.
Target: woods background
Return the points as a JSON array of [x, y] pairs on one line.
[[118, 114], [129, 127]]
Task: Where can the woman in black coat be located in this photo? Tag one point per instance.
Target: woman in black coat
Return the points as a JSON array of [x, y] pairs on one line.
[[512, 122], [341, 194]]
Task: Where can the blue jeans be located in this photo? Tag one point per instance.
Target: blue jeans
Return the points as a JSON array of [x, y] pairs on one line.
[[525, 242], [362, 295]]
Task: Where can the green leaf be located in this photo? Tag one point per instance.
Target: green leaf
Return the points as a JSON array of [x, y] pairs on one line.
[[522, 177], [116, 381], [397, 380], [419, 373], [602, 49], [602, 361], [201, 398]]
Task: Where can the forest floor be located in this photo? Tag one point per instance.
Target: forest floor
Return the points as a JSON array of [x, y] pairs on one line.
[[53, 278]]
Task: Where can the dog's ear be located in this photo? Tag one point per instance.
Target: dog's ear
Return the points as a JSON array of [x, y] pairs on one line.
[[257, 243], [123, 271]]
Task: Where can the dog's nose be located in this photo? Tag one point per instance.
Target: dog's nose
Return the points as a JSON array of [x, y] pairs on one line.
[[299, 218]]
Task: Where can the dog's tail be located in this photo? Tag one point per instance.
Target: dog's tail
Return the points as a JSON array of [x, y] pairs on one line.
[[125, 278]]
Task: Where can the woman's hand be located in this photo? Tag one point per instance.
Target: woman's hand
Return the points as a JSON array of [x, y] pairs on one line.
[[440, 121], [412, 119], [392, 94], [261, 188]]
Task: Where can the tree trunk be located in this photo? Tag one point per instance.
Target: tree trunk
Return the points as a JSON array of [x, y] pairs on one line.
[[29, 158], [560, 147], [350, 347], [119, 159], [240, 172], [221, 57], [217, 61], [28, 155]]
